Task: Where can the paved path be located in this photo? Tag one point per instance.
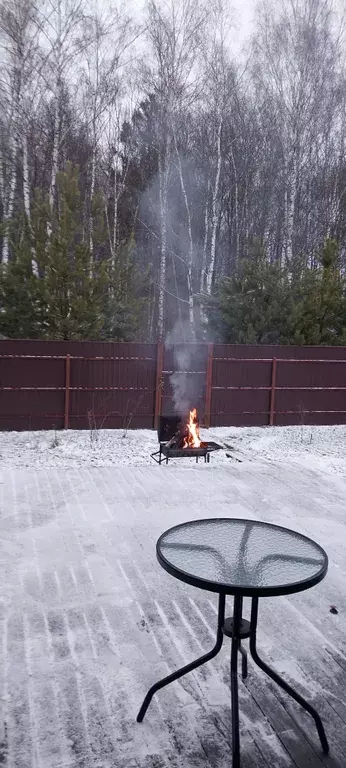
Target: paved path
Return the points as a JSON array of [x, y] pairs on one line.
[[89, 620]]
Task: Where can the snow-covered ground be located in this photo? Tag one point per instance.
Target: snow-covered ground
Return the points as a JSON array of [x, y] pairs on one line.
[[320, 448], [89, 620]]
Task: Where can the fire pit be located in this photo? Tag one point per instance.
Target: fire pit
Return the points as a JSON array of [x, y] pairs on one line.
[[179, 438]]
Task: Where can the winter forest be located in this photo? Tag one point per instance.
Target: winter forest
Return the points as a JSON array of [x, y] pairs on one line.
[[151, 175]]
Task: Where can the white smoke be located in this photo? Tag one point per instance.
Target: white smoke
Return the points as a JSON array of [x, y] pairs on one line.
[[183, 384]]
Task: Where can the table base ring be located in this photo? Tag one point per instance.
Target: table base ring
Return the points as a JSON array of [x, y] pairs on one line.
[[244, 628]]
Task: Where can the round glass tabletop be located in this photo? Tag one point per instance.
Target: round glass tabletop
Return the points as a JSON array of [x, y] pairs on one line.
[[241, 557]]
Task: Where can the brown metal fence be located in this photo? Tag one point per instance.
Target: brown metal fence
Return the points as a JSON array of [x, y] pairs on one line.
[[83, 384]]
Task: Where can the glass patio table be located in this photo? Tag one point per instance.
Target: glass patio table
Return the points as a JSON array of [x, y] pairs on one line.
[[243, 558]]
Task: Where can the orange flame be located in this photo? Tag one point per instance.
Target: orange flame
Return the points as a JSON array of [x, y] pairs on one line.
[[192, 439]]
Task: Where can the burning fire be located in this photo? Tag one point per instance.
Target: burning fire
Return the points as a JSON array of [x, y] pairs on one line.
[[192, 438]]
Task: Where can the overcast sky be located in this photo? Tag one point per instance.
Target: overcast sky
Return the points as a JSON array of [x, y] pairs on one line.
[[243, 10]]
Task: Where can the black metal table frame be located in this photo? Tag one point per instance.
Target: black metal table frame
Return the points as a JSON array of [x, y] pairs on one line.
[[237, 634]]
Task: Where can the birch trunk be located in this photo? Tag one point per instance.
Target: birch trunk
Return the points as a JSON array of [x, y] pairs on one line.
[[10, 200], [334, 203], [2, 189], [94, 144], [236, 207], [110, 239], [56, 118], [290, 200], [115, 213], [15, 129], [163, 256], [151, 310], [26, 198], [26, 189], [190, 250], [55, 153], [176, 288], [205, 243], [92, 192], [246, 219], [211, 267]]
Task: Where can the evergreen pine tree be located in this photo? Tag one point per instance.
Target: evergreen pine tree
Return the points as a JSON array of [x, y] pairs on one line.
[[74, 284], [21, 292], [125, 300], [319, 301], [251, 304], [79, 293], [266, 303]]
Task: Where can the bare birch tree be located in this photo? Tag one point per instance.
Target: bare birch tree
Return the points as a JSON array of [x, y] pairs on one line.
[[174, 33], [217, 97], [109, 40], [19, 39], [63, 41], [296, 57]]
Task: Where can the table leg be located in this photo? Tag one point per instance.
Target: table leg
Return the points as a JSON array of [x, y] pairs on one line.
[[278, 679], [237, 615], [189, 667], [243, 661]]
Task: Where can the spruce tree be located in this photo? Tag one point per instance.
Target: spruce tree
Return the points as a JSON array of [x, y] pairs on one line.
[[251, 304], [319, 301], [21, 292], [80, 292], [266, 302], [125, 300], [74, 284]]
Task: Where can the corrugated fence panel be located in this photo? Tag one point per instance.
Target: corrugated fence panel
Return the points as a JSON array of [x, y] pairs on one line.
[[31, 410], [41, 404], [304, 397], [32, 372], [239, 408], [113, 384], [121, 392], [111, 410], [244, 406], [129, 374], [268, 351], [115, 392], [303, 401], [311, 374], [241, 373], [291, 406], [75, 348]]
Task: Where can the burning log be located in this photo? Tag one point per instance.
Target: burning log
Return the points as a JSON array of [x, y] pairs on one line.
[[187, 436], [175, 441]]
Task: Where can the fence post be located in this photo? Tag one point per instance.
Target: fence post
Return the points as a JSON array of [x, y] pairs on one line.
[[208, 383], [67, 391], [272, 393], [158, 384]]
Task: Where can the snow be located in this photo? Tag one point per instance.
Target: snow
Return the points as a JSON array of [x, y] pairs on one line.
[[89, 620], [319, 448]]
